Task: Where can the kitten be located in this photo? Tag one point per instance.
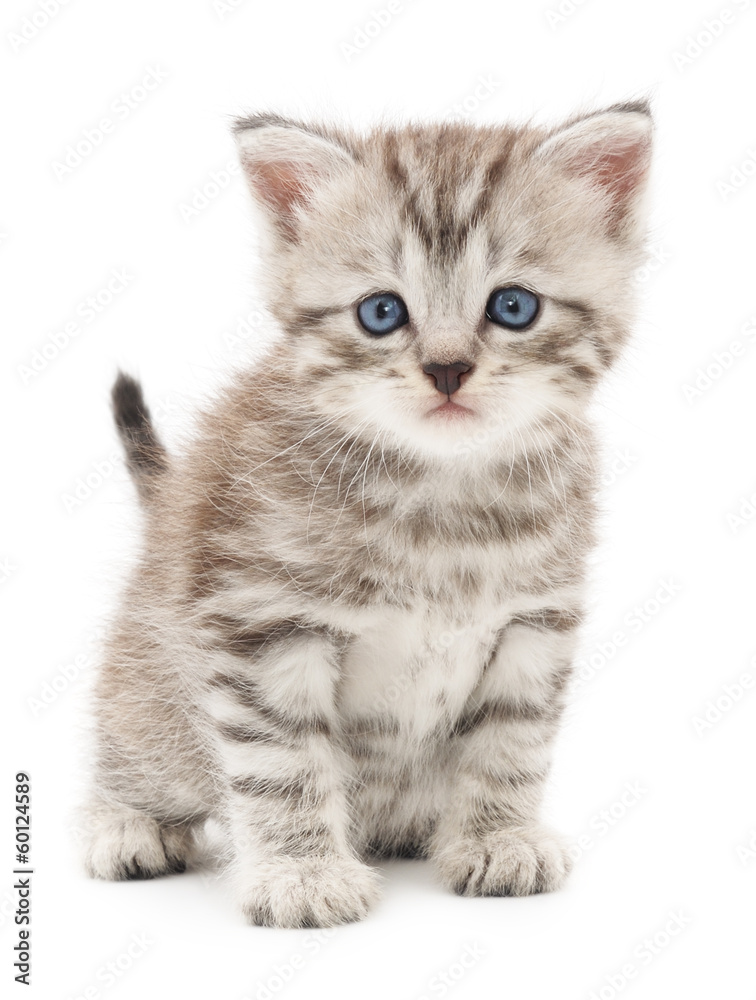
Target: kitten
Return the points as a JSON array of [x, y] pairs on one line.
[[353, 621]]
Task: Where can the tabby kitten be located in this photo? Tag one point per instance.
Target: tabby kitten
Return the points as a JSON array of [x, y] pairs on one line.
[[353, 621]]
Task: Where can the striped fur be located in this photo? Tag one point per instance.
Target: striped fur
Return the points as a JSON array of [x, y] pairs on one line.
[[352, 626]]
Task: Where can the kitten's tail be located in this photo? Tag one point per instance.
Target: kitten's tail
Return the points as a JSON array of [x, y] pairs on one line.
[[146, 456]]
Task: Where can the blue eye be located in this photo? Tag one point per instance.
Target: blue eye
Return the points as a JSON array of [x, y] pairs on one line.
[[513, 307], [382, 313]]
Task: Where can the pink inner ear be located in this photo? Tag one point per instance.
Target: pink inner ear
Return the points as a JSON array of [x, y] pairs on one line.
[[617, 165], [282, 185], [620, 168]]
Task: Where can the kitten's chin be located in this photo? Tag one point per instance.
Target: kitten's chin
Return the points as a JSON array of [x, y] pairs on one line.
[[452, 429]]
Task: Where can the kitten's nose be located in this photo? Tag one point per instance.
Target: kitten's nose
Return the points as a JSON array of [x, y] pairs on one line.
[[447, 376]]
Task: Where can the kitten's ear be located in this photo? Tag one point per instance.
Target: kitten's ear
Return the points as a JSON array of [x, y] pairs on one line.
[[611, 150], [286, 165]]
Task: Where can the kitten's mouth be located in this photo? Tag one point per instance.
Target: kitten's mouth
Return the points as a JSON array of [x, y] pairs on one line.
[[450, 410]]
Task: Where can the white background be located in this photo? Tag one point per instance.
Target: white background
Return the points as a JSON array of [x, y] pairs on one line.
[[678, 466]]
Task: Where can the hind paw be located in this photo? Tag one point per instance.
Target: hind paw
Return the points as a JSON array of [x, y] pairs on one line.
[[126, 844]]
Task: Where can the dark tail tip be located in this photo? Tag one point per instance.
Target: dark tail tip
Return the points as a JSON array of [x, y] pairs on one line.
[[146, 457]]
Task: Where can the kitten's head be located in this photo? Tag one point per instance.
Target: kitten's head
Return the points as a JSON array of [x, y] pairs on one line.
[[443, 285]]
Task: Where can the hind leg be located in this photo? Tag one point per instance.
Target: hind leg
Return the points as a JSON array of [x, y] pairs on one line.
[[151, 786], [141, 819], [139, 822]]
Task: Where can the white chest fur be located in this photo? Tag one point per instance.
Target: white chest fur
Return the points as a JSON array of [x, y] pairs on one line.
[[417, 666]]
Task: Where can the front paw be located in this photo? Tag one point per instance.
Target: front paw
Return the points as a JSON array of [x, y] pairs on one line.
[[310, 892], [515, 862]]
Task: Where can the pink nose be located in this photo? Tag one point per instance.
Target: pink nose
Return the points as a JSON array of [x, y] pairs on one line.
[[447, 376]]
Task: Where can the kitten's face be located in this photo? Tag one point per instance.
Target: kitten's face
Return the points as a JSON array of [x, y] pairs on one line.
[[442, 218]]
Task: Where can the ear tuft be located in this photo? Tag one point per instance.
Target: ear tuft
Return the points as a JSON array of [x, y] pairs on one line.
[[610, 149], [286, 165], [641, 106]]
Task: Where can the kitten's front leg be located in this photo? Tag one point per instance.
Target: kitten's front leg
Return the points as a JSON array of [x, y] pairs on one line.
[[489, 841], [284, 778]]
